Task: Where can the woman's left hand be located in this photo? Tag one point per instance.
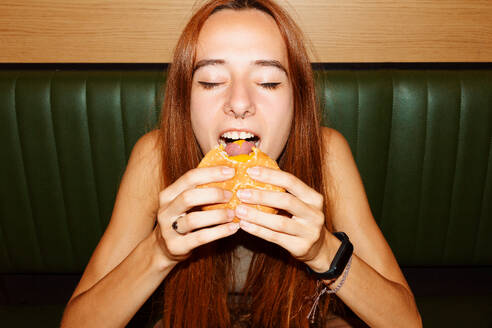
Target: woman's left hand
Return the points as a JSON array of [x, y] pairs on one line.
[[304, 234]]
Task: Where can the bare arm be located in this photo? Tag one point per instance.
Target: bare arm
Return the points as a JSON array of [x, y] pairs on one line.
[[114, 300], [375, 289], [121, 275], [131, 260]]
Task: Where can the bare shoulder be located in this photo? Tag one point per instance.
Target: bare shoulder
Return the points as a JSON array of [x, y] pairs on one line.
[[145, 157], [133, 214], [336, 144], [146, 147], [343, 178], [141, 179], [340, 165], [351, 211]]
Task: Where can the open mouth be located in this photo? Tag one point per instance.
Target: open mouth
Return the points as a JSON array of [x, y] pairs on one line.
[[231, 136]]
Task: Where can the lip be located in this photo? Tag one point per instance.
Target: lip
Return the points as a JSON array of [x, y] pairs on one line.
[[239, 130]]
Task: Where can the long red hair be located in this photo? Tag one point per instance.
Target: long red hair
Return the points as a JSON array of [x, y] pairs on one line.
[[278, 286]]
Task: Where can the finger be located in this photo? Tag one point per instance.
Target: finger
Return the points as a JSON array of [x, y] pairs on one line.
[[281, 200], [274, 222], [200, 219], [193, 178], [207, 235], [289, 182], [195, 197], [176, 251], [289, 242], [179, 246]]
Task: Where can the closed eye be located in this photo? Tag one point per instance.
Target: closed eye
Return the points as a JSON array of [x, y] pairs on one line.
[[209, 85], [270, 85]]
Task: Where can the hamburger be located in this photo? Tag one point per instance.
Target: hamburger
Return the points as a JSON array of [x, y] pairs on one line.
[[240, 155]]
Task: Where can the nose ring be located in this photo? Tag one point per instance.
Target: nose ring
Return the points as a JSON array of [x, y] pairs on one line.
[[229, 108], [242, 116]]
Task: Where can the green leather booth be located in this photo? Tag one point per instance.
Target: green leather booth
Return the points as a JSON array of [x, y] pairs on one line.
[[421, 137]]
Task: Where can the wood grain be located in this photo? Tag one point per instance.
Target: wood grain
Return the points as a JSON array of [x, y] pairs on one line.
[[127, 31]]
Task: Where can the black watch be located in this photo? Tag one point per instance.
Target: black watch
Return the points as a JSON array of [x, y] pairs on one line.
[[339, 261]]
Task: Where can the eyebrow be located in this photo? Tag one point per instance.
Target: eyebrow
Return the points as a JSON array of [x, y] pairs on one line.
[[261, 62], [205, 62], [271, 63]]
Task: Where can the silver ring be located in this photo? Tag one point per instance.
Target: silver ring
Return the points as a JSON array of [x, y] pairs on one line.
[[174, 225]]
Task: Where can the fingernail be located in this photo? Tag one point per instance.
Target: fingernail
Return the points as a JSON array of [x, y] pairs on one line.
[[244, 194], [234, 226], [227, 171], [230, 214], [227, 194], [253, 171], [241, 210]]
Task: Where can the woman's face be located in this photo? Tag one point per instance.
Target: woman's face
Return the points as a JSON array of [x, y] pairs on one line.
[[240, 82]]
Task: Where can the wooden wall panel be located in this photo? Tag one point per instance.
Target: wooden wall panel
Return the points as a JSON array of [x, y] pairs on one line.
[[145, 31]]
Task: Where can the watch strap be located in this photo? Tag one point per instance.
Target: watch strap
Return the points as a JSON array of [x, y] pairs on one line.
[[339, 261]]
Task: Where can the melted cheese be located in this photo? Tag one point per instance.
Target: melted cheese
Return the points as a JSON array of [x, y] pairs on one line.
[[242, 157], [238, 158], [239, 142]]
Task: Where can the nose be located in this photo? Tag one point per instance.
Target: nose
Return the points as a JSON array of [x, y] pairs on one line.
[[240, 103]]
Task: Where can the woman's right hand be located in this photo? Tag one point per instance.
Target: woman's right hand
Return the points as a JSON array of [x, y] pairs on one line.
[[193, 228]]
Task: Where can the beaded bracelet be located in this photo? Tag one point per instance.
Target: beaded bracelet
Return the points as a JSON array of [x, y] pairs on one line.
[[326, 290], [340, 284]]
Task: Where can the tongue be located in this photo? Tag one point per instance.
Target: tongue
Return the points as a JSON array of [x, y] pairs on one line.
[[239, 147]]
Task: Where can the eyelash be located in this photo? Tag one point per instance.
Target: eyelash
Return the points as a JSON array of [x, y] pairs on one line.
[[208, 85], [211, 85], [271, 85]]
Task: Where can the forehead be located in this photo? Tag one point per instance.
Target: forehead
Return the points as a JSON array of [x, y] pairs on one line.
[[235, 35]]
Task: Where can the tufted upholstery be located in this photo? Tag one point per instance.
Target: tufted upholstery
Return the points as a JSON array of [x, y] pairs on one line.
[[67, 136], [422, 140]]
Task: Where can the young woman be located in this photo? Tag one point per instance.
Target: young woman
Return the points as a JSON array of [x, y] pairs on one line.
[[241, 66]]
